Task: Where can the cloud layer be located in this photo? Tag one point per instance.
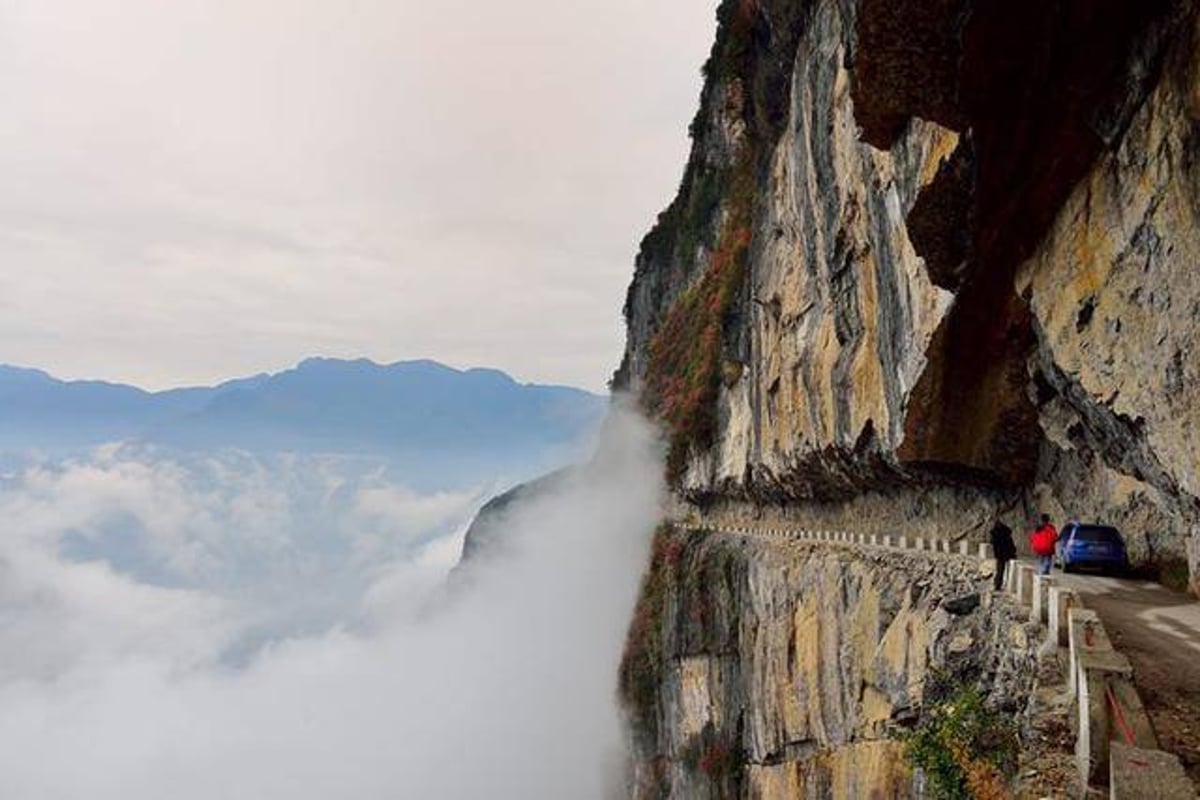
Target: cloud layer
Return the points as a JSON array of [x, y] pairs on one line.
[[198, 190], [121, 687]]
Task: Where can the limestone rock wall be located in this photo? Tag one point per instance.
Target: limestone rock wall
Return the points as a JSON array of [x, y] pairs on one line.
[[840, 308], [774, 670], [971, 263], [1115, 295]]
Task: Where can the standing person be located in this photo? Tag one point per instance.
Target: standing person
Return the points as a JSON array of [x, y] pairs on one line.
[[1003, 549], [1043, 541]]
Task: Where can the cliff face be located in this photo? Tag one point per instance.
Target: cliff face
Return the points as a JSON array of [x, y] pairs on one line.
[[936, 243], [770, 669], [931, 261]]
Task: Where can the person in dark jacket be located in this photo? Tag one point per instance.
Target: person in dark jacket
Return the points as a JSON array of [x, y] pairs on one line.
[[1003, 549]]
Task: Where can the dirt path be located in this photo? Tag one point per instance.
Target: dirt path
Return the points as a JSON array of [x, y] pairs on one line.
[[1159, 630]]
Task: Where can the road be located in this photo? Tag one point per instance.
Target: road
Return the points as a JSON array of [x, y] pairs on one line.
[[1159, 630]]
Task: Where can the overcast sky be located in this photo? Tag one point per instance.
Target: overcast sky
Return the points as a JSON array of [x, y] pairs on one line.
[[197, 190]]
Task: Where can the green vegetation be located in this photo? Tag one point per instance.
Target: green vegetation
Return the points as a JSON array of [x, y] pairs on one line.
[[710, 219], [965, 749], [684, 374], [642, 664], [733, 51]]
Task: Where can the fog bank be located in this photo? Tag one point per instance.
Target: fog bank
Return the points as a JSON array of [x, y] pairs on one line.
[[507, 691]]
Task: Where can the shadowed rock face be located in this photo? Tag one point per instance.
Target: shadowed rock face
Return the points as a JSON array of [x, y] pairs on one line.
[[972, 229]]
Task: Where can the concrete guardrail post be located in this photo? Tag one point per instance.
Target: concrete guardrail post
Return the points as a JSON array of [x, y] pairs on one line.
[[1010, 579], [964, 548], [985, 551], [1062, 600], [1097, 671], [1024, 579], [1041, 598], [1075, 619]]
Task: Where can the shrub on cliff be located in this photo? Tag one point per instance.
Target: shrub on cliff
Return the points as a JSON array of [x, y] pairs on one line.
[[684, 375], [964, 749], [641, 664]]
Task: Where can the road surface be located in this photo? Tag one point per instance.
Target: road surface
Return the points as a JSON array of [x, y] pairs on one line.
[[1159, 630]]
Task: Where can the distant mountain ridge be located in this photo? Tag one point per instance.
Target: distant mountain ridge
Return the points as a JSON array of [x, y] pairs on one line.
[[421, 411]]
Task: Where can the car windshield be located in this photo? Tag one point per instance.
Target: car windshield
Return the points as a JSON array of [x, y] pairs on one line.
[[1089, 533]]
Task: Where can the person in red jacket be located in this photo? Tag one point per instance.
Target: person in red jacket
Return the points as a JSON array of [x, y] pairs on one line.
[[1043, 541]]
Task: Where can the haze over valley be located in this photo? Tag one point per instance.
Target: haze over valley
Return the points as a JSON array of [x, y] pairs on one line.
[[260, 568]]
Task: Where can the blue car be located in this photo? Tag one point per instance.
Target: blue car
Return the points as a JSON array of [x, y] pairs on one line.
[[1091, 546]]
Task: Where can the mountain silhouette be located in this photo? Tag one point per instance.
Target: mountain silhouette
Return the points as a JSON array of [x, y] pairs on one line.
[[421, 414]]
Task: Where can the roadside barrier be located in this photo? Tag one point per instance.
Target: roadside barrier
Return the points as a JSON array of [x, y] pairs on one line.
[[892, 541], [1115, 744]]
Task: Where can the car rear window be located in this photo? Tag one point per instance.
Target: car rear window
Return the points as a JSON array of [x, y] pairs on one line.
[[1087, 533]]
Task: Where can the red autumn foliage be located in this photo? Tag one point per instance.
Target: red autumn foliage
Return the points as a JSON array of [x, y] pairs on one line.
[[684, 372], [717, 761]]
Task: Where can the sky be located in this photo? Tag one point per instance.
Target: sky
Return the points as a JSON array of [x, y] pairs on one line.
[[195, 191]]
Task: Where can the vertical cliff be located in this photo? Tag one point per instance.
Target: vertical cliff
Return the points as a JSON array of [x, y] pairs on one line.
[[931, 261], [935, 243], [771, 669]]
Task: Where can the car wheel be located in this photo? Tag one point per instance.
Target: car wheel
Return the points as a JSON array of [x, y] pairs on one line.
[[1067, 568]]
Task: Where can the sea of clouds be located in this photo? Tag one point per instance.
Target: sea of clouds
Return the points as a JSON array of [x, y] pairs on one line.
[[235, 626]]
